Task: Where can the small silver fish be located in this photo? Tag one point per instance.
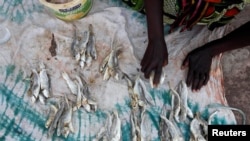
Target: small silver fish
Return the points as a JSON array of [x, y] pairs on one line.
[[115, 131], [220, 106], [84, 42], [41, 98], [176, 106], [197, 127], [91, 43], [54, 124], [211, 117], [36, 83], [78, 97], [52, 113], [44, 80], [185, 111], [172, 129], [71, 84], [145, 94], [92, 104], [75, 46], [104, 64]]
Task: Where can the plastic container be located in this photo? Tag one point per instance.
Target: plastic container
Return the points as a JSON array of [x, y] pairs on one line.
[[69, 11]]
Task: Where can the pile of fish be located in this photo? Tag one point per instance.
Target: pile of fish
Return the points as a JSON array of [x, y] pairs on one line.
[[40, 85], [111, 131], [179, 105], [83, 47], [140, 99], [79, 88], [60, 118], [180, 112], [110, 66]]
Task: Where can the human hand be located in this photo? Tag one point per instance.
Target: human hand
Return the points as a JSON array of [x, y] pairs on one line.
[[199, 63], [155, 57]]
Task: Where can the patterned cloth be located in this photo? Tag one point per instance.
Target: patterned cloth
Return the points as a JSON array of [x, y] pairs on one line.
[[187, 13]]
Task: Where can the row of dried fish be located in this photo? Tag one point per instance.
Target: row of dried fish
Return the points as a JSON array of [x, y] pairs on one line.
[[140, 100], [60, 118], [180, 111], [111, 131], [79, 88], [40, 85], [83, 47]]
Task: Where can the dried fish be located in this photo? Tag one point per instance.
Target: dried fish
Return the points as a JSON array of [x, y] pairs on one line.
[[145, 94], [74, 46], [133, 128], [35, 89], [82, 93], [100, 134], [91, 43], [176, 107], [115, 131], [84, 41], [40, 87], [171, 129], [211, 117], [185, 111], [71, 84], [84, 49], [104, 64], [52, 113], [198, 128], [61, 118], [67, 121], [44, 80], [82, 60], [139, 102], [92, 104], [110, 66], [54, 124], [41, 98], [219, 106], [112, 128]]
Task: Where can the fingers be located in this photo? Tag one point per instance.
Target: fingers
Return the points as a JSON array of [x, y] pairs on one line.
[[146, 60], [157, 76], [189, 77], [197, 80], [147, 71]]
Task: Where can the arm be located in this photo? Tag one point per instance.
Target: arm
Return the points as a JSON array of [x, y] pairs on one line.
[[156, 54], [236, 39], [199, 60], [154, 12]]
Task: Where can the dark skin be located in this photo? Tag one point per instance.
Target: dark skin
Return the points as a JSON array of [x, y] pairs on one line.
[[197, 61], [156, 54]]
